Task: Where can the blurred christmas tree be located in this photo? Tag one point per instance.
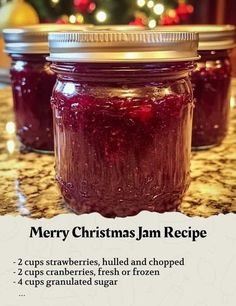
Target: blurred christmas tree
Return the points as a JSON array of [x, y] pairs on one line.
[[51, 10], [139, 12]]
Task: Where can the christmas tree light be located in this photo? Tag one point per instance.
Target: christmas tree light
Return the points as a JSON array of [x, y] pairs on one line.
[[101, 16]]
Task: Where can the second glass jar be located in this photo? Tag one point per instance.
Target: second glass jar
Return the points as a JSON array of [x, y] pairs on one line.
[[32, 82], [211, 82]]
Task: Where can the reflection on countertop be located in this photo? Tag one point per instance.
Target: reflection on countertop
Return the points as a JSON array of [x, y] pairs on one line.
[[28, 188]]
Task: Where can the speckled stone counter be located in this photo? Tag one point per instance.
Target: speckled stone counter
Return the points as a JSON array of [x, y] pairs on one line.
[[27, 185]]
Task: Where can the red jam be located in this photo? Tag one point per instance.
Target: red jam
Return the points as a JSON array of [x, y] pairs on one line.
[[32, 84], [122, 136], [211, 86]]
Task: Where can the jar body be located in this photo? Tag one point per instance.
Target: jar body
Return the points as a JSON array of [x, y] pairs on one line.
[[122, 136], [211, 88], [32, 84]]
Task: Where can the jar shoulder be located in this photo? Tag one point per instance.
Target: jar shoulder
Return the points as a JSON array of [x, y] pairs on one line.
[[152, 89], [27, 69], [213, 64]]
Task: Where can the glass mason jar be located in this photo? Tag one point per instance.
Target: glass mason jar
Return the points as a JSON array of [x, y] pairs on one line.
[[122, 110], [211, 83], [32, 83]]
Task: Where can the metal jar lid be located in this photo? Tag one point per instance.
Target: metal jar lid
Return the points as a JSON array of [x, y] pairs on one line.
[[211, 37], [119, 46], [33, 39], [118, 27]]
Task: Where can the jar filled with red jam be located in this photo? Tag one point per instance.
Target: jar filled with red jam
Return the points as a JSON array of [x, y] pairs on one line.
[[32, 82], [211, 83], [122, 109]]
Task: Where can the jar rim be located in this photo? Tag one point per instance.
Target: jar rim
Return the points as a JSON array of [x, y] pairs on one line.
[[211, 37], [33, 39], [94, 45]]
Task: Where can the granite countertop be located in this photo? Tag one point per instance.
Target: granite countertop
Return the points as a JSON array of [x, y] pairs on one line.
[[28, 188]]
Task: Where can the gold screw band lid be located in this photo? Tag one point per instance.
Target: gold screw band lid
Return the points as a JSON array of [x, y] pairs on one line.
[[119, 45], [211, 37], [33, 39]]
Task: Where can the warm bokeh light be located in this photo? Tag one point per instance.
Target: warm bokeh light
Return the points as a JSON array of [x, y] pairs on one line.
[[101, 16], [150, 4], [172, 13], [72, 19], [152, 23], [92, 7], [159, 9], [232, 102], [141, 3], [11, 146], [10, 127], [79, 18]]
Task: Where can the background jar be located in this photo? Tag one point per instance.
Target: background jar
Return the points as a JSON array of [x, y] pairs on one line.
[[32, 83], [122, 109], [211, 83]]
